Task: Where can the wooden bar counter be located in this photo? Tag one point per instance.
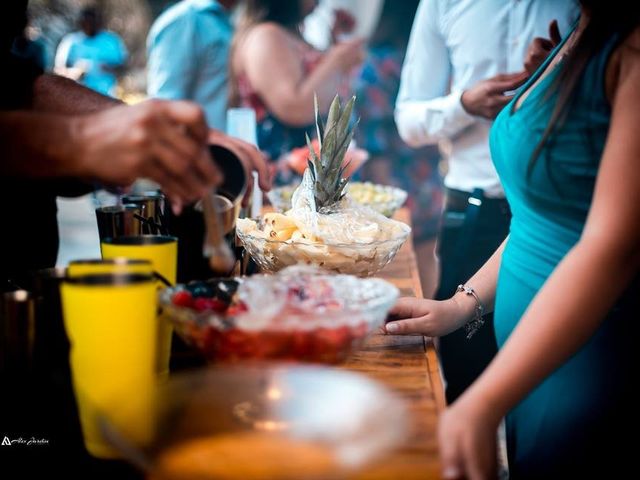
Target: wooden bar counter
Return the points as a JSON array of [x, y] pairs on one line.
[[408, 365]]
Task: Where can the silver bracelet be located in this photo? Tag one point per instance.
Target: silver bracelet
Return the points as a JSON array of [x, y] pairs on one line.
[[472, 326]]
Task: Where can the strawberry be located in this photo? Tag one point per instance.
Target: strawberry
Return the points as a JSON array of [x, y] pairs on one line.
[[182, 298]]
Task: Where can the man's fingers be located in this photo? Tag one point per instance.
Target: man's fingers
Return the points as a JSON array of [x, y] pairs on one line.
[[179, 172], [185, 156], [514, 81], [188, 114], [554, 33], [178, 138], [540, 45], [169, 186], [207, 169]]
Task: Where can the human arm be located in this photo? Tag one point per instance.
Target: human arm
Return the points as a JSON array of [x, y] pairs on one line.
[[56, 94], [565, 313], [163, 141], [274, 69], [425, 112], [437, 318]]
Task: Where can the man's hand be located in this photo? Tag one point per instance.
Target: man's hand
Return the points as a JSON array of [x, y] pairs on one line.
[[540, 48], [487, 98], [161, 140]]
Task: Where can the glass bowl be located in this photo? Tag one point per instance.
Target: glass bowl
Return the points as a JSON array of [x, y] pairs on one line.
[[300, 314], [383, 199], [264, 422], [361, 259]]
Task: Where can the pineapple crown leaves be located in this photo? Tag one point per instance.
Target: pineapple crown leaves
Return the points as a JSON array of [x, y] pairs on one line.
[[327, 168]]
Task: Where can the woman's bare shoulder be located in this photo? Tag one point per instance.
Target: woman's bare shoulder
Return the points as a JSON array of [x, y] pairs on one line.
[[267, 34], [624, 62]]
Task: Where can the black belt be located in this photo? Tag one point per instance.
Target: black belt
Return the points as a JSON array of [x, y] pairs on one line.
[[459, 201]]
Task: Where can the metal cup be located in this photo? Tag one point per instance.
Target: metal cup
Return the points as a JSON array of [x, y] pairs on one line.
[[189, 226], [152, 204], [120, 220], [235, 181]]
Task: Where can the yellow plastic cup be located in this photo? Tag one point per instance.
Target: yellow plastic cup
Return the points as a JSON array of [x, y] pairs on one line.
[[95, 266], [162, 252], [110, 320]]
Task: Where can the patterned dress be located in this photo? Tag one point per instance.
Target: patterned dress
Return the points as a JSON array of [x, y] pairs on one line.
[[391, 161]]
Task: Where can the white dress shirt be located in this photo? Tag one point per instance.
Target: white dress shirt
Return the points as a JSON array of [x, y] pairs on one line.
[[454, 44]]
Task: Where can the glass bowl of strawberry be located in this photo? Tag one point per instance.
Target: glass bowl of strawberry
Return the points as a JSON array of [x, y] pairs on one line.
[[299, 314]]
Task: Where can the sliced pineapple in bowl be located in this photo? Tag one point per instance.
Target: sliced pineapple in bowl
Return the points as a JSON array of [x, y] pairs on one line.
[[325, 228], [363, 256]]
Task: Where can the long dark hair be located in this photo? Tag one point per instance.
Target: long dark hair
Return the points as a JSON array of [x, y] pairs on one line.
[[607, 20], [286, 13]]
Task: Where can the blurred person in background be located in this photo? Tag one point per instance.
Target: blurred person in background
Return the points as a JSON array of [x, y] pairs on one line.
[[31, 49], [320, 25], [92, 56], [464, 61], [392, 161], [188, 56], [276, 72]]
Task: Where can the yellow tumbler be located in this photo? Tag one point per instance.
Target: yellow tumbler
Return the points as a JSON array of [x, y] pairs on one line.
[[110, 320], [162, 252], [93, 266]]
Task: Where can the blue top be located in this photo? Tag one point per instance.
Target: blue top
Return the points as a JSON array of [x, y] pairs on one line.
[[563, 427], [92, 53], [551, 205], [188, 50]]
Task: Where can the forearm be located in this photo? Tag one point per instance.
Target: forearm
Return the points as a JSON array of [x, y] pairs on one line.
[[484, 282], [37, 145], [56, 94], [560, 320], [296, 106], [427, 122]]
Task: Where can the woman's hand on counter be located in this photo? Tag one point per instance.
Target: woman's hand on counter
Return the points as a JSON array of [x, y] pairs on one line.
[[467, 434], [428, 317]]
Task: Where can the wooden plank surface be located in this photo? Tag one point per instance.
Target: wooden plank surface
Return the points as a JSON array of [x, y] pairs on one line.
[[407, 365]]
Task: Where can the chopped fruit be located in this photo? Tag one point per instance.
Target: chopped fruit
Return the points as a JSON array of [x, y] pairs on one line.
[[236, 309], [305, 317], [213, 304], [182, 298]]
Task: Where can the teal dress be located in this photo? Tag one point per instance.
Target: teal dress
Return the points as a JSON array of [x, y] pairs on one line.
[[569, 425]]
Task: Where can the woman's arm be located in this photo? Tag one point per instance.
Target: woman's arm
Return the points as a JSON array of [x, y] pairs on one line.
[[566, 312], [274, 69], [437, 318]]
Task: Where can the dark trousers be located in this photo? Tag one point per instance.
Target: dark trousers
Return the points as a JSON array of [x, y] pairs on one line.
[[471, 231]]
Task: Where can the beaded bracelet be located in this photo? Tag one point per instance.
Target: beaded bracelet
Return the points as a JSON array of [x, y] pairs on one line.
[[472, 326]]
